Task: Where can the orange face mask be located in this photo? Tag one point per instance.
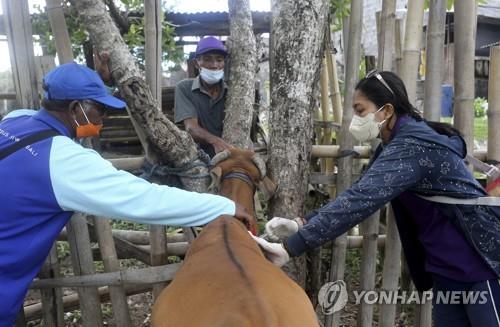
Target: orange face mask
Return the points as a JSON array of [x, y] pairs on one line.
[[88, 129]]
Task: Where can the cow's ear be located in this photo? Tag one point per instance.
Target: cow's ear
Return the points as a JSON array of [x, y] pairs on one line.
[[215, 175], [267, 187]]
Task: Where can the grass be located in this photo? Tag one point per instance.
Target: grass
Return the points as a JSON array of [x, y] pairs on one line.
[[480, 127]]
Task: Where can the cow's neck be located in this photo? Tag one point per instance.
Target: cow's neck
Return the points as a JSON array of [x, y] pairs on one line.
[[240, 191]]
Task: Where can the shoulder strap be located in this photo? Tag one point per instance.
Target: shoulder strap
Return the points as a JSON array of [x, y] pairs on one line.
[[481, 201], [27, 141], [489, 170]]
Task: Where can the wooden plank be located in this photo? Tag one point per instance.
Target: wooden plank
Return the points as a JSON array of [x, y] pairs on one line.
[[149, 275], [392, 269], [52, 305], [133, 236], [43, 65], [71, 302], [104, 234], [60, 31], [83, 264], [128, 250], [18, 29]]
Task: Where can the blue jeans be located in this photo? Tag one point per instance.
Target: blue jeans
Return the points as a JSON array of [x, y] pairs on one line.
[[479, 308]]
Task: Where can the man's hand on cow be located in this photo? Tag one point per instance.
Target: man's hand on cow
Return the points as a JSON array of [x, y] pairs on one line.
[[279, 228], [274, 252], [220, 145], [242, 214]]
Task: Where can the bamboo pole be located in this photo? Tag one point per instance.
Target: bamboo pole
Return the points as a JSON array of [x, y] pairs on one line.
[[333, 151], [52, 304], [83, 264], [149, 275], [346, 141], [434, 60], [465, 46], [494, 105], [60, 31], [111, 264], [411, 51], [72, 301], [335, 96], [392, 269], [369, 228], [325, 114], [398, 46], [153, 52], [386, 40], [132, 236], [19, 34]]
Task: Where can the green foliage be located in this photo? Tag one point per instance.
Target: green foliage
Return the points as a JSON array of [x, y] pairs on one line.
[[340, 10], [133, 37], [480, 107]]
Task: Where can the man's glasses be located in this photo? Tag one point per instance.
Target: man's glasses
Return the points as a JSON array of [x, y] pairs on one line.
[[376, 74]]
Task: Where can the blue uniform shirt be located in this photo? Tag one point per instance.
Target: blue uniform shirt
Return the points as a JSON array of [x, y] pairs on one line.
[[44, 183]]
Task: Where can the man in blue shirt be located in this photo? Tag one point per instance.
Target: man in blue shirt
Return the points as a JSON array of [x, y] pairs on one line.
[[46, 177]]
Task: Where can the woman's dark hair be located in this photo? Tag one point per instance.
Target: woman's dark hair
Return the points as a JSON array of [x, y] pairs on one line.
[[378, 93]]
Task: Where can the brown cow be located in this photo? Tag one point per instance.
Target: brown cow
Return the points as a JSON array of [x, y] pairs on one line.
[[225, 280]]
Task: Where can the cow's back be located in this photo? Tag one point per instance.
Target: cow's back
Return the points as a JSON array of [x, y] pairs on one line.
[[226, 281]]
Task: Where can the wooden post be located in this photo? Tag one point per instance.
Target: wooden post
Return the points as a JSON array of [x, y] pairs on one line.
[[434, 60], [111, 263], [392, 269], [331, 63], [494, 105], [83, 264], [386, 35], [463, 81], [409, 75], [411, 51], [52, 304], [153, 50], [398, 45], [60, 31], [346, 141], [152, 30], [17, 25]]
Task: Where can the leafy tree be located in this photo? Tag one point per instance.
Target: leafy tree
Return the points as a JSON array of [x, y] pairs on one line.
[[127, 15]]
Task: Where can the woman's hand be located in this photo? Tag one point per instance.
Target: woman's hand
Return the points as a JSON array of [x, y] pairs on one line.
[[279, 228]]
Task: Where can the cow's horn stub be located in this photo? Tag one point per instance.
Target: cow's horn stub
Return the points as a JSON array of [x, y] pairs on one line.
[[261, 165], [221, 156]]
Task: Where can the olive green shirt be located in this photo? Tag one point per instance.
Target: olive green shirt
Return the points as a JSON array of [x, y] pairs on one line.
[[194, 101]]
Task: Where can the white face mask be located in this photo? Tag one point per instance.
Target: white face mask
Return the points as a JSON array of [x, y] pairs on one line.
[[366, 128], [211, 76]]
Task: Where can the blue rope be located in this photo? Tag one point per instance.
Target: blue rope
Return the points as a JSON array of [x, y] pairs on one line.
[[162, 171]]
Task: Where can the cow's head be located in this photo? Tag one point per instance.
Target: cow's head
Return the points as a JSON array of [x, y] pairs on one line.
[[236, 173]]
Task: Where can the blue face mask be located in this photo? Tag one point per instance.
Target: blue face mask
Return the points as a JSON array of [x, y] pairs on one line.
[[211, 76]]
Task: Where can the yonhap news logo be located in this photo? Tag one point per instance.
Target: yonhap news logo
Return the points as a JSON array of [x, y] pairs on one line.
[[333, 297]]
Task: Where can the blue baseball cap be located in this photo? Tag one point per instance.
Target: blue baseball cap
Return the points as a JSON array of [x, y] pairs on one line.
[[76, 82], [208, 44]]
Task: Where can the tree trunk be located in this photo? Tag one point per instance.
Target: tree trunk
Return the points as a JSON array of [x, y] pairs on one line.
[[298, 34], [241, 94], [167, 143], [434, 60], [465, 48]]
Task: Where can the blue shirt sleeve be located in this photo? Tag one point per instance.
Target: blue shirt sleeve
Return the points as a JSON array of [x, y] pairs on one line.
[[83, 181], [394, 171]]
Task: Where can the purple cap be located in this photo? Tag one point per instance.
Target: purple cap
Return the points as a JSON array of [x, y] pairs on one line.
[[210, 43]]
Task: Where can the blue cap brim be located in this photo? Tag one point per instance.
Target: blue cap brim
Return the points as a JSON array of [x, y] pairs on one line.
[[111, 101]]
